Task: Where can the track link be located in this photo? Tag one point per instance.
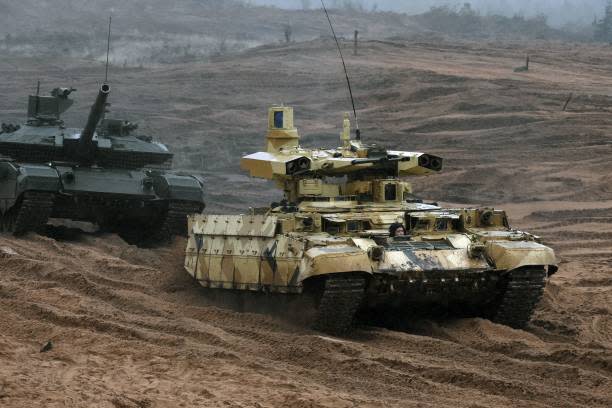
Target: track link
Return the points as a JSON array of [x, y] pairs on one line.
[[522, 295], [341, 297], [31, 214]]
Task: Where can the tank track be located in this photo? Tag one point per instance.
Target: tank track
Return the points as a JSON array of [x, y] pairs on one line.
[[175, 221], [341, 297], [522, 295], [159, 229], [31, 214]]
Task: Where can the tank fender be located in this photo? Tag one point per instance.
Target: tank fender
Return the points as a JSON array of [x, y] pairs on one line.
[[177, 187], [39, 178], [334, 259], [509, 255]]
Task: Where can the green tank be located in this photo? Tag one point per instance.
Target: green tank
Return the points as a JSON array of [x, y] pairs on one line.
[[350, 236], [104, 172]]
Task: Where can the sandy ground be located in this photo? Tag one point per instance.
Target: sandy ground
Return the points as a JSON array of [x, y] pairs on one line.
[[130, 329]]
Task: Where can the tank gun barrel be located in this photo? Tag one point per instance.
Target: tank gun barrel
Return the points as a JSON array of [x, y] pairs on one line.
[[380, 160], [95, 114]]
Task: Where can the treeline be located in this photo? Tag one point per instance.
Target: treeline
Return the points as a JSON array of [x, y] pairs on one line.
[[466, 21]]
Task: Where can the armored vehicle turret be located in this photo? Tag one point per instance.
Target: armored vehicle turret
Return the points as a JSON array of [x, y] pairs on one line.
[[103, 172], [350, 235]]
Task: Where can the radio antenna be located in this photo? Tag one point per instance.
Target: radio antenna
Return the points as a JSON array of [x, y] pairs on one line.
[[348, 81], [110, 20]]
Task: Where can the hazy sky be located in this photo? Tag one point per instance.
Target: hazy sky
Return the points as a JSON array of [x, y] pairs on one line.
[[558, 11]]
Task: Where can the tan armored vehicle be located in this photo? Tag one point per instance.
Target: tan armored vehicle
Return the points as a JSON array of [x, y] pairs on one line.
[[350, 235]]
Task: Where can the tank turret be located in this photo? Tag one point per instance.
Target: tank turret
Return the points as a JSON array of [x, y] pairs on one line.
[[371, 173], [107, 142]]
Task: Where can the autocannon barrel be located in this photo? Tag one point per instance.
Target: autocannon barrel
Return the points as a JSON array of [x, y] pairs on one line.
[[97, 110]]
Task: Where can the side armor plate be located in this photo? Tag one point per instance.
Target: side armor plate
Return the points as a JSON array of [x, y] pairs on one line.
[[235, 225]]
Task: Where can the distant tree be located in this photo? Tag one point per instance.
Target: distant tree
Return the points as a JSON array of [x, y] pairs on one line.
[[603, 27], [466, 20], [305, 4], [288, 33], [540, 25], [467, 10], [469, 18], [220, 47]]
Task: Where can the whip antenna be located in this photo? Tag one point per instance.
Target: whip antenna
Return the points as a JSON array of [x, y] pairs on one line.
[[348, 81], [110, 20]]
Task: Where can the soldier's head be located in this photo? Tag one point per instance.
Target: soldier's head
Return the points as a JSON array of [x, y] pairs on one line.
[[397, 230]]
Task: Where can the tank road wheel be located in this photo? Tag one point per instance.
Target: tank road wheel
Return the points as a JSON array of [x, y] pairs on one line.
[[30, 213], [337, 298], [521, 296]]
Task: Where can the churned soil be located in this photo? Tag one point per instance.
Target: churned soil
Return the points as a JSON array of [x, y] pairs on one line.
[[129, 328]]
